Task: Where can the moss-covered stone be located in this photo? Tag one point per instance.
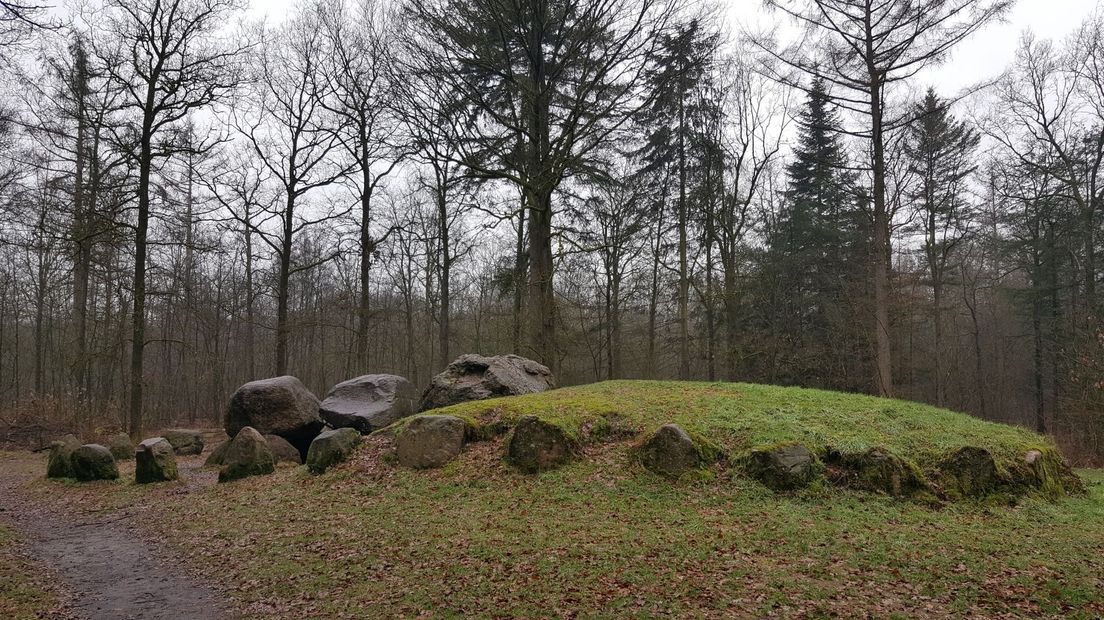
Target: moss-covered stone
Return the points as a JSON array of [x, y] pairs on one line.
[[59, 464], [330, 448], [94, 462], [1046, 472], [672, 452], [154, 461], [970, 471], [879, 470], [247, 455], [783, 467], [536, 445]]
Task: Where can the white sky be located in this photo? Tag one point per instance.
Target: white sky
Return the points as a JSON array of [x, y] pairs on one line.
[[977, 59]]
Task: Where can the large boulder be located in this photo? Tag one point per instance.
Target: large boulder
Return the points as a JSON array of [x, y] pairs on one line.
[[247, 455], [368, 403], [154, 461], [122, 448], [671, 452], [330, 448], [59, 464], [278, 406], [536, 445], [184, 441], [283, 451], [430, 441], [93, 462], [784, 467], [477, 377]]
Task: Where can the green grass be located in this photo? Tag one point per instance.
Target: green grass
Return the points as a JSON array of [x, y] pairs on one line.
[[741, 416], [599, 538], [23, 590]]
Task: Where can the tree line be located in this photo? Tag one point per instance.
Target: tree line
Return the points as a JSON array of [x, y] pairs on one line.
[[617, 188]]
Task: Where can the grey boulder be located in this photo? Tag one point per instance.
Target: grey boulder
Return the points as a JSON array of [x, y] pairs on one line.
[[783, 467], [368, 403], [278, 406], [430, 441], [93, 462], [122, 448], [330, 448], [154, 461], [184, 441], [283, 451], [670, 451], [247, 455], [478, 377]]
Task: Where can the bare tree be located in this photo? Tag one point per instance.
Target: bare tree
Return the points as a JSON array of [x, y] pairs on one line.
[[169, 60], [360, 38], [286, 120]]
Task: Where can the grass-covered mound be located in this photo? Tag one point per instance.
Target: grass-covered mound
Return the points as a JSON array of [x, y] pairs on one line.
[[904, 448]]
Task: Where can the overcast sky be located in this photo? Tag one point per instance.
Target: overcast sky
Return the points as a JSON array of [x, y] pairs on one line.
[[979, 58]]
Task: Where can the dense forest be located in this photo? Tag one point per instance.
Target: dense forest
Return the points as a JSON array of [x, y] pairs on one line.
[[618, 188]]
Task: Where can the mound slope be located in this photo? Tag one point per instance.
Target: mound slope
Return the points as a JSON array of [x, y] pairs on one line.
[[896, 446]]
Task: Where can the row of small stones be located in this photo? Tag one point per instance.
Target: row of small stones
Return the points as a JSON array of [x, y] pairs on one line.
[[432, 441]]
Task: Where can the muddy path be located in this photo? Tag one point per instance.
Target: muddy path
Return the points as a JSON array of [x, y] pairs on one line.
[[107, 568]]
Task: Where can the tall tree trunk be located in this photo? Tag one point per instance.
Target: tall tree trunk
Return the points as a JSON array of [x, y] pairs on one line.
[[283, 331], [883, 360], [138, 314], [684, 268], [445, 333], [367, 248], [521, 267], [542, 309]]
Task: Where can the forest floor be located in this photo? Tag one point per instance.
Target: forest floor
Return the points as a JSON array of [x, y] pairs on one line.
[[599, 537]]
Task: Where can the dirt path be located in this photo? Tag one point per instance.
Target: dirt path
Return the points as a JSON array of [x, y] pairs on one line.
[[109, 570]]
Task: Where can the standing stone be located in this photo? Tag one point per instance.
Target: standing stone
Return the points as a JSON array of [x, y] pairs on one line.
[[477, 377], [282, 451], [784, 467], [122, 448], [330, 448], [278, 406], [430, 441], [368, 403], [154, 461], [60, 463], [184, 441], [247, 455], [94, 462], [536, 445], [670, 452]]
